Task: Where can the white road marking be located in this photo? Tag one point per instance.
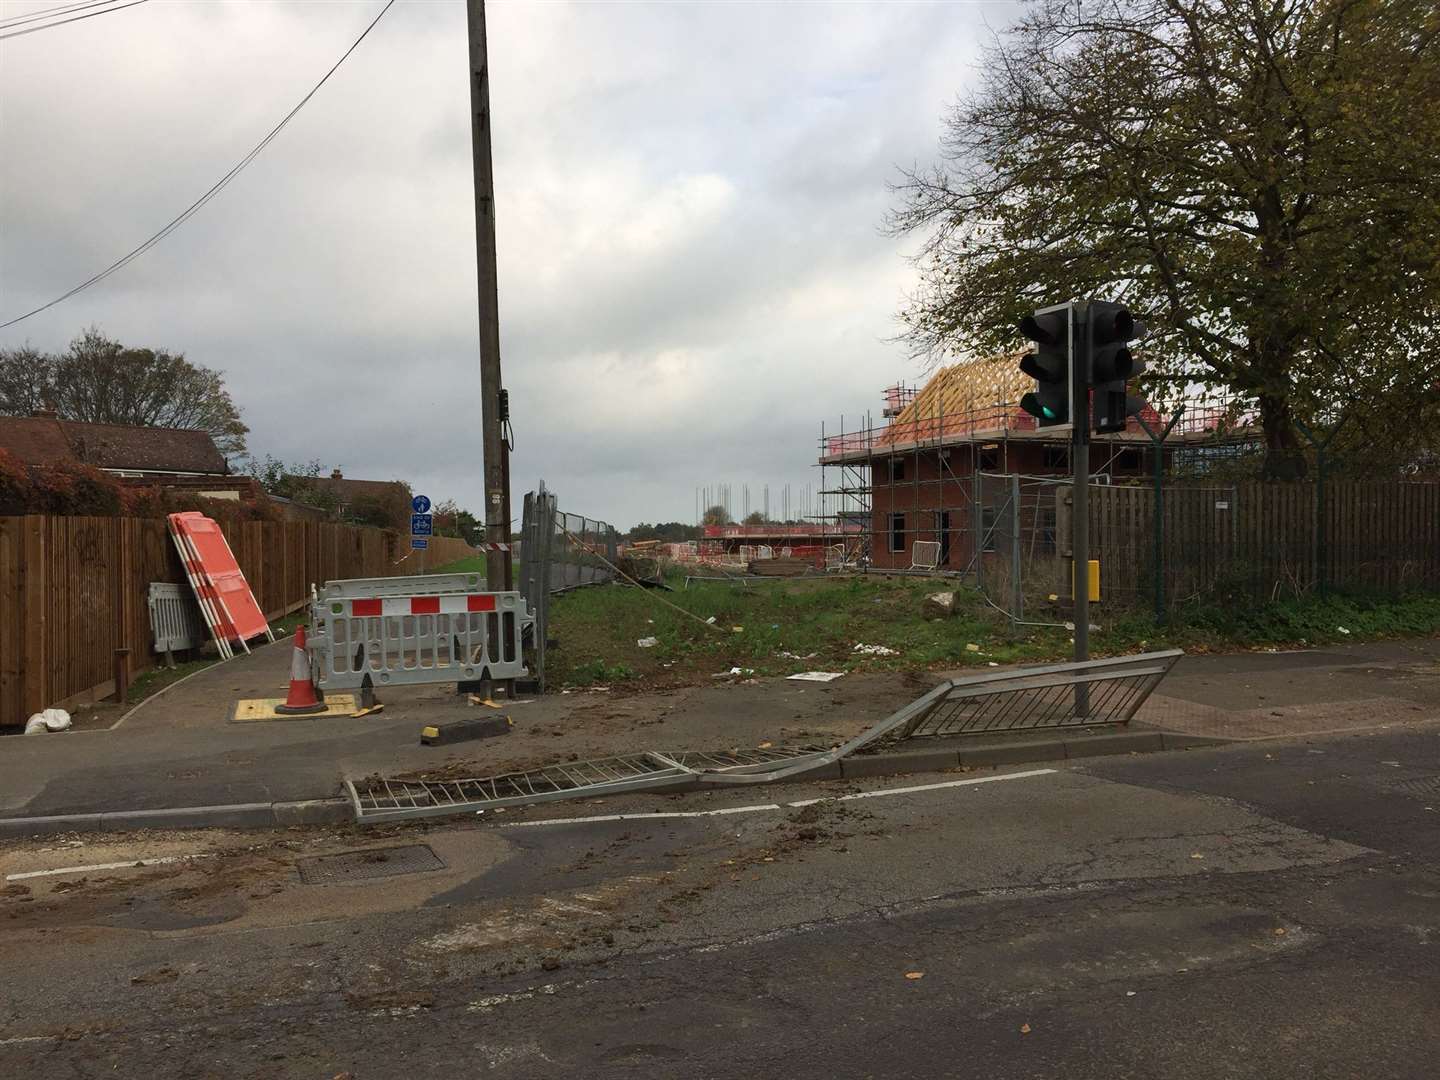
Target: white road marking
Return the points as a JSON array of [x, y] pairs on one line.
[[160, 861], [875, 794]]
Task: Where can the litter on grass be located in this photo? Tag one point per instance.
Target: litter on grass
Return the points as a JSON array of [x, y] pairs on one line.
[[816, 676], [648, 642], [876, 650]]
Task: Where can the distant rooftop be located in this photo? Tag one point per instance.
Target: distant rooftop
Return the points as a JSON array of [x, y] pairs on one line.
[[46, 440]]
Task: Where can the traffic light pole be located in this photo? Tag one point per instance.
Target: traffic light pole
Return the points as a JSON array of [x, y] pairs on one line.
[[1080, 497]]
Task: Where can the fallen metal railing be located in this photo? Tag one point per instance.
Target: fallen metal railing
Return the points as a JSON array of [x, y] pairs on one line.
[[376, 798], [1044, 698], [1025, 700]]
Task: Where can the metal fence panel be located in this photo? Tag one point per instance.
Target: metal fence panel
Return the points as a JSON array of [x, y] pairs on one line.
[[560, 551], [175, 617], [424, 635]]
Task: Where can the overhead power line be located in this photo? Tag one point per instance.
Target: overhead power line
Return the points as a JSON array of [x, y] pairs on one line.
[[73, 18], [215, 188], [31, 16]]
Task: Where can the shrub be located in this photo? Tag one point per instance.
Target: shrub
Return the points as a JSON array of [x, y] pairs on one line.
[[16, 488], [76, 488]]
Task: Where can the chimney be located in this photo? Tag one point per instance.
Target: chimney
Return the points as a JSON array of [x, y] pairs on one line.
[[335, 474]]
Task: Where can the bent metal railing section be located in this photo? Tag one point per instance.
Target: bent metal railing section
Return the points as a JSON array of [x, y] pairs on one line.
[[1028, 699]]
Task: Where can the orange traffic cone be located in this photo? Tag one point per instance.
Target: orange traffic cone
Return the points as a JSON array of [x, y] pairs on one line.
[[302, 697]]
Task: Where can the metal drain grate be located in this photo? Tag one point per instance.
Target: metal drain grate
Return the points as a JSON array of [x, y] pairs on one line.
[[369, 864], [1419, 786]]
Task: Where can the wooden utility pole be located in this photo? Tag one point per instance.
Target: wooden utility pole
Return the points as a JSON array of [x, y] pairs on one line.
[[498, 568]]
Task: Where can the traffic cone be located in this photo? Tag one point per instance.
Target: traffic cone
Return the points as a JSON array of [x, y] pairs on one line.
[[302, 698]]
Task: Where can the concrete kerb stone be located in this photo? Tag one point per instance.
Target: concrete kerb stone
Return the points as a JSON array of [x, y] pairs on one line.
[[230, 816], [1017, 753], [906, 762], [313, 812]]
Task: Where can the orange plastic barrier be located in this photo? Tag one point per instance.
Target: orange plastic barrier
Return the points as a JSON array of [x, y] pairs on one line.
[[225, 597]]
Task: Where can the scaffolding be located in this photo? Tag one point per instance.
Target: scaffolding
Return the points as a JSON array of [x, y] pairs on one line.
[[959, 474]]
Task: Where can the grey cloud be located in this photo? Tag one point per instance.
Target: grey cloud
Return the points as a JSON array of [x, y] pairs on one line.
[[692, 274]]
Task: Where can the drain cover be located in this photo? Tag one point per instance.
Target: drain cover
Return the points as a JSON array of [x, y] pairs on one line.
[[369, 864], [1421, 785]]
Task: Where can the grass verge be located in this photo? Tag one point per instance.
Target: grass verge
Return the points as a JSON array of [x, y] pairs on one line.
[[788, 626], [471, 564]]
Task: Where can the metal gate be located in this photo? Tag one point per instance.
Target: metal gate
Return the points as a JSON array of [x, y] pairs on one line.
[[408, 631]]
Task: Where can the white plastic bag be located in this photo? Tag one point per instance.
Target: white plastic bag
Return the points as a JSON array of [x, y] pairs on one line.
[[49, 720]]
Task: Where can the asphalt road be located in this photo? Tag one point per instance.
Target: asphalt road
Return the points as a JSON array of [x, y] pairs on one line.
[[1267, 911]]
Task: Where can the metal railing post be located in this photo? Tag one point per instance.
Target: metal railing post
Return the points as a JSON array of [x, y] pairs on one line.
[[1018, 596], [1158, 442], [1322, 547]]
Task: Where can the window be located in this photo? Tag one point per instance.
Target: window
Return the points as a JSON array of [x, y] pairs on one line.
[[989, 459], [897, 469], [1127, 461], [1056, 458], [989, 518], [897, 532]]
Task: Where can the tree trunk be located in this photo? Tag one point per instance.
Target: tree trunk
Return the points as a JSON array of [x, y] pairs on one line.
[[1284, 458]]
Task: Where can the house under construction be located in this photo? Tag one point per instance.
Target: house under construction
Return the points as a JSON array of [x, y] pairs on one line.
[[920, 477]]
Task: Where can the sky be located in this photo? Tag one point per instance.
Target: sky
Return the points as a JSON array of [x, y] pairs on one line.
[[690, 198]]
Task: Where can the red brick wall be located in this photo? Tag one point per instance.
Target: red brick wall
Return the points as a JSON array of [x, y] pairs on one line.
[[949, 486]]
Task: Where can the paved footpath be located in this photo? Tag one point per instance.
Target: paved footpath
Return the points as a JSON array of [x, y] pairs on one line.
[[181, 749]]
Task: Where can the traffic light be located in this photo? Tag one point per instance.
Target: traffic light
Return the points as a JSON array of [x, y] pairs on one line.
[[1048, 365], [1109, 328]]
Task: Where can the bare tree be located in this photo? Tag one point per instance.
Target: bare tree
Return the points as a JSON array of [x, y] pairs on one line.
[[101, 381], [27, 378]]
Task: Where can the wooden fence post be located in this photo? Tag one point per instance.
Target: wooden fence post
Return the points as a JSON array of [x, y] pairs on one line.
[[33, 619]]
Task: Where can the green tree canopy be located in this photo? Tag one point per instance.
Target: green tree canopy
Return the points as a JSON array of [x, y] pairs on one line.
[[1260, 179]]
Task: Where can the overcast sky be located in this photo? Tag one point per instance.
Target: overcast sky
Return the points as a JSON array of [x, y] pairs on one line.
[[689, 203]]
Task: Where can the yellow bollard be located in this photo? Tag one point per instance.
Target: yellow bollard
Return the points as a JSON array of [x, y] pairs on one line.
[[1094, 580]]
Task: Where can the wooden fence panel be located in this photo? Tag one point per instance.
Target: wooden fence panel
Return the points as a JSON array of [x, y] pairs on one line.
[[74, 589]]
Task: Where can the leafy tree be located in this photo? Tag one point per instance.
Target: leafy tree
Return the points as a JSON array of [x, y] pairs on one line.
[[716, 515], [755, 517], [451, 520], [1260, 180], [669, 532], [102, 381], [388, 511], [300, 483]]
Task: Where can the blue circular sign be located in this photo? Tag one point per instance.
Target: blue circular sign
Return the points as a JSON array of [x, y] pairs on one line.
[[420, 504]]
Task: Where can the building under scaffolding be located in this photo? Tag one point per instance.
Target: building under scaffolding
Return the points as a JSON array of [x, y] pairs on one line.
[[943, 473]]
